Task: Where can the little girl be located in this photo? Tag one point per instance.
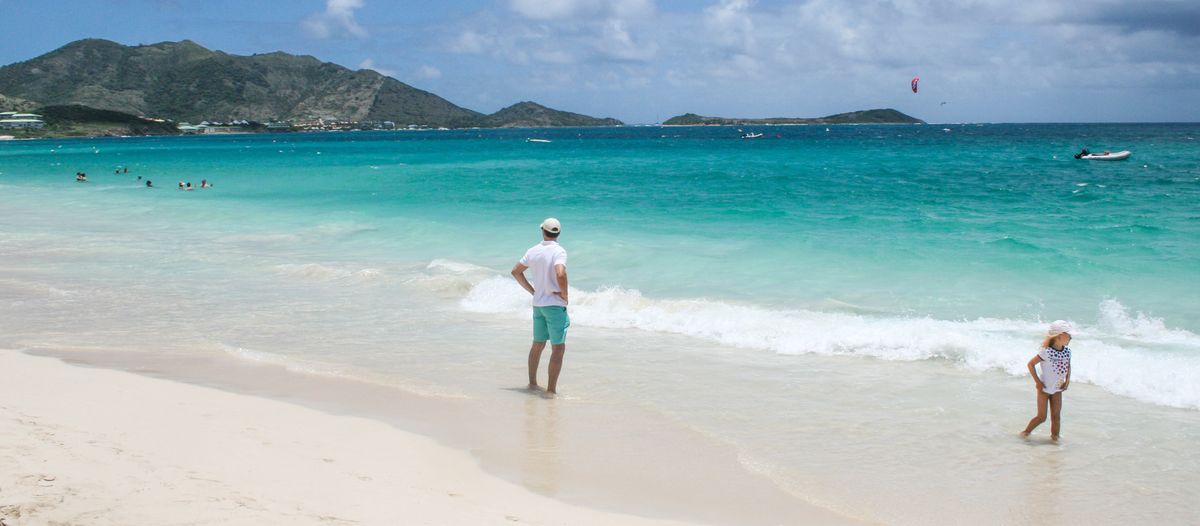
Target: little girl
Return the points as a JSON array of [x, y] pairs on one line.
[[1055, 358]]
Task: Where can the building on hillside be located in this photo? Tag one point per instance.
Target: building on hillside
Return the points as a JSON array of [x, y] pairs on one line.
[[223, 129], [14, 120]]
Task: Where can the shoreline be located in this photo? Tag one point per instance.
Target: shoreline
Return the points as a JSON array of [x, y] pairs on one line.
[[89, 439]]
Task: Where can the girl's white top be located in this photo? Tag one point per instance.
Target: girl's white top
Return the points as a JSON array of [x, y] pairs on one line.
[[1056, 365]]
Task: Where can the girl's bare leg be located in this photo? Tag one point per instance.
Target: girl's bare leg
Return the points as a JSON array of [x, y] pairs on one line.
[[1042, 399], [1055, 413]]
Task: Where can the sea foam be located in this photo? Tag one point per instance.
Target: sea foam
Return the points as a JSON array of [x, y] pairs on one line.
[[1119, 352], [319, 272]]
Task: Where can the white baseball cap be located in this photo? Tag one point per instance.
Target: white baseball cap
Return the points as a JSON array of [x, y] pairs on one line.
[[1059, 327], [551, 225]]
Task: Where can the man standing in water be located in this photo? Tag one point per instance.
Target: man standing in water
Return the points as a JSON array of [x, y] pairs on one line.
[[548, 261]]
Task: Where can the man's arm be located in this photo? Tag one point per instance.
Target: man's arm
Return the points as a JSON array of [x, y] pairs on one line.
[[560, 274], [518, 272]]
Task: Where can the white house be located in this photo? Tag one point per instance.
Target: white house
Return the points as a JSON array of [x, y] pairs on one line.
[[14, 120]]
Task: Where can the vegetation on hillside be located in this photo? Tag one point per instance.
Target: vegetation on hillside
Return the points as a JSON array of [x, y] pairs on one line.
[[533, 115], [183, 81], [186, 82], [16, 104], [76, 120]]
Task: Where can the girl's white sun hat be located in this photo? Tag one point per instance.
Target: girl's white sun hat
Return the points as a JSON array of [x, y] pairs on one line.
[[1059, 327]]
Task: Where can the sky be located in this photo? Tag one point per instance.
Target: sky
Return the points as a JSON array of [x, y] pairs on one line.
[[643, 61]]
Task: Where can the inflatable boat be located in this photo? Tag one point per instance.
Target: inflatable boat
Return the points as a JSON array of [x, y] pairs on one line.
[[1110, 156]]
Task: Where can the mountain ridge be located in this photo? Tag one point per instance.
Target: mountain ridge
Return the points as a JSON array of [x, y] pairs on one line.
[[185, 81]]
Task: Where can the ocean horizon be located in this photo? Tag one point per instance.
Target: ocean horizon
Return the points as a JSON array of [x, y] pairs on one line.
[[847, 309]]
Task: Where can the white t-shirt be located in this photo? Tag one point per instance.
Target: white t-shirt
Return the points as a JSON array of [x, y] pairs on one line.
[[1055, 367], [541, 260]]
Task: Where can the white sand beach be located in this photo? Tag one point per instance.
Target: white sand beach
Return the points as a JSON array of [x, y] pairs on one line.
[[84, 445], [92, 446]]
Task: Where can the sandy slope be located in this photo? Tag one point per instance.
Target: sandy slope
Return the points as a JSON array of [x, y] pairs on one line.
[[92, 446]]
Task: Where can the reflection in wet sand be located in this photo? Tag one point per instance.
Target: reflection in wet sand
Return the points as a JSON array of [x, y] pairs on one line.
[[541, 463], [1043, 484]]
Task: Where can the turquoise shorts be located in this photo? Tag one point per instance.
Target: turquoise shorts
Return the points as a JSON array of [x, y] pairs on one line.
[[550, 323]]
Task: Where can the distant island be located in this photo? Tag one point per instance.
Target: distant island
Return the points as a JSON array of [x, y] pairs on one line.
[[533, 115], [880, 116], [201, 90]]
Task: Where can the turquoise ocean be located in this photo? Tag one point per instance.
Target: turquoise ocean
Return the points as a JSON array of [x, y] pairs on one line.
[[848, 309]]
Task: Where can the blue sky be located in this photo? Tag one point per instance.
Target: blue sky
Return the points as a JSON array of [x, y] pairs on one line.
[[646, 60]]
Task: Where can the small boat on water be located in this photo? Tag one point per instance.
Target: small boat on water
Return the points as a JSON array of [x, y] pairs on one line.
[[536, 140], [1106, 156], [752, 135]]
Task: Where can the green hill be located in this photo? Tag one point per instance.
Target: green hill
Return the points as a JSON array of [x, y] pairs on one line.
[[16, 104], [186, 82], [75, 120], [76, 116], [881, 116], [533, 115]]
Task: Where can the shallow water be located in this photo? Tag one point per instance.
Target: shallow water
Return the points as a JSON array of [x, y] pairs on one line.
[[850, 311]]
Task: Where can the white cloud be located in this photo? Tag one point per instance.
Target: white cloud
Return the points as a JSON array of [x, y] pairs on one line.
[[427, 72], [731, 44], [804, 57], [574, 9], [336, 21], [618, 42], [370, 64], [730, 26], [471, 41], [564, 32]]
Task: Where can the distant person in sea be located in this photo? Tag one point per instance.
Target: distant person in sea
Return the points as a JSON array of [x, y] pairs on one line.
[[80, 177], [149, 184], [126, 169], [181, 185], [1055, 377], [548, 263], [189, 186], [204, 183], [139, 178]]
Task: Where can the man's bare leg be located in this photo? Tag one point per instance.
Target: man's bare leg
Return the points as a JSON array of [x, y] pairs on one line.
[[556, 358], [535, 357]]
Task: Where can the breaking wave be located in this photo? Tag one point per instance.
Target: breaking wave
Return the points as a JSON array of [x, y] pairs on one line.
[[1121, 352]]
